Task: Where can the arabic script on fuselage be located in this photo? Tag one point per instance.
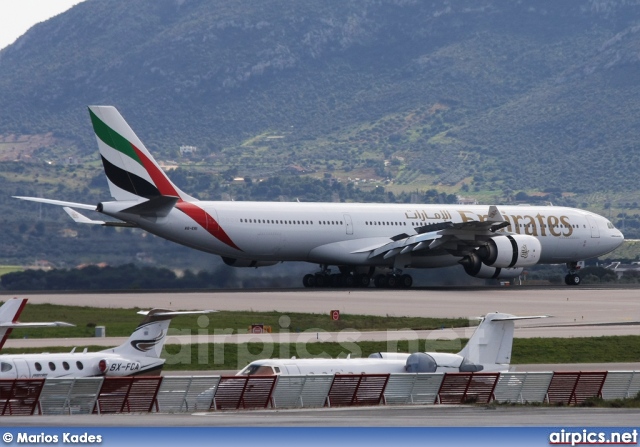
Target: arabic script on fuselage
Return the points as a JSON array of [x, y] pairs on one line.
[[538, 225]]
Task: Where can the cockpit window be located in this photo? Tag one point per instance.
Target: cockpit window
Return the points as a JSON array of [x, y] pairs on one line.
[[4, 366], [610, 226], [257, 370]]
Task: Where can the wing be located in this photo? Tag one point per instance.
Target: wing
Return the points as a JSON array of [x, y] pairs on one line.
[[457, 239]]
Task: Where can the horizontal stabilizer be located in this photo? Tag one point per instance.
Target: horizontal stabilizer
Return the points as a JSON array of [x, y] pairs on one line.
[[532, 317], [81, 218], [159, 206], [175, 313], [34, 325], [83, 206]]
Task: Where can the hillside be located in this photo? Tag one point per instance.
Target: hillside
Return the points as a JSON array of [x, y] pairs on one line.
[[479, 97]]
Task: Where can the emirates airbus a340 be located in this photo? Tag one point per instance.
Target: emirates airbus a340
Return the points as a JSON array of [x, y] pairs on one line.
[[357, 238]]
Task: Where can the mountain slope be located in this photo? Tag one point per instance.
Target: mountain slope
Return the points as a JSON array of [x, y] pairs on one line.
[[510, 95]]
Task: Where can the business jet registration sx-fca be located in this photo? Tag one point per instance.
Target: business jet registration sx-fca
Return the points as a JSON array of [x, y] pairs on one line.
[[488, 241]]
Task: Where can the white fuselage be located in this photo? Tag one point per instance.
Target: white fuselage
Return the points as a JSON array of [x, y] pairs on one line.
[[45, 365], [444, 362], [324, 366], [338, 233]]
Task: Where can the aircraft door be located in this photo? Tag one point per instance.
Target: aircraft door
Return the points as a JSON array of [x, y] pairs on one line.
[[22, 369], [212, 220], [348, 223], [595, 232], [292, 369]]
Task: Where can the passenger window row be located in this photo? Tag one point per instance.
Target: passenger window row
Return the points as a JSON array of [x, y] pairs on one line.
[[292, 222], [386, 223], [65, 366], [276, 221]]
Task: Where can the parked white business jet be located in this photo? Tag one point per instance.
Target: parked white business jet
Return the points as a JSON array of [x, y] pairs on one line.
[[489, 241], [488, 350], [10, 312], [139, 355]]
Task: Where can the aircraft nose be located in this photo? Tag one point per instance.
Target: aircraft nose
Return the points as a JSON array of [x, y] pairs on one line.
[[616, 239]]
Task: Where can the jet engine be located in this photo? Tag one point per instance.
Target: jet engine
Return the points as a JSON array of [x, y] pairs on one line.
[[514, 250], [474, 266], [420, 362], [233, 262]]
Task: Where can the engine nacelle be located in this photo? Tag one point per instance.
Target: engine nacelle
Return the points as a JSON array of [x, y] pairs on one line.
[[474, 266], [420, 362], [233, 262], [517, 250]]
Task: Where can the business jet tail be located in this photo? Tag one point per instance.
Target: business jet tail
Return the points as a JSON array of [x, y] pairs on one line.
[[149, 337], [491, 343], [9, 314]]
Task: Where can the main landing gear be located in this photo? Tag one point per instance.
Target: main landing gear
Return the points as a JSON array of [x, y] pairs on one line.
[[572, 278], [347, 278], [323, 279], [393, 281]]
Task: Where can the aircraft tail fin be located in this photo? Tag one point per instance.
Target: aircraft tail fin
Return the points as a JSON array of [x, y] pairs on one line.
[[491, 343], [9, 314], [149, 337], [132, 173]]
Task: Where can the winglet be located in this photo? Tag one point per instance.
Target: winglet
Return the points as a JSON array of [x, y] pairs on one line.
[[494, 215]]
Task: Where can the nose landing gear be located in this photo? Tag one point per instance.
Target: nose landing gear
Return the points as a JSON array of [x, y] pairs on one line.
[[572, 278]]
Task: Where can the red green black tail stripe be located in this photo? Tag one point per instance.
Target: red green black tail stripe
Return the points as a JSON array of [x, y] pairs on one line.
[[112, 138], [206, 221], [129, 181]]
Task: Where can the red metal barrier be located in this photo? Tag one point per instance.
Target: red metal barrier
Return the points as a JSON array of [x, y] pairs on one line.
[[19, 396], [128, 394], [357, 389], [235, 392], [461, 388], [575, 387]]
